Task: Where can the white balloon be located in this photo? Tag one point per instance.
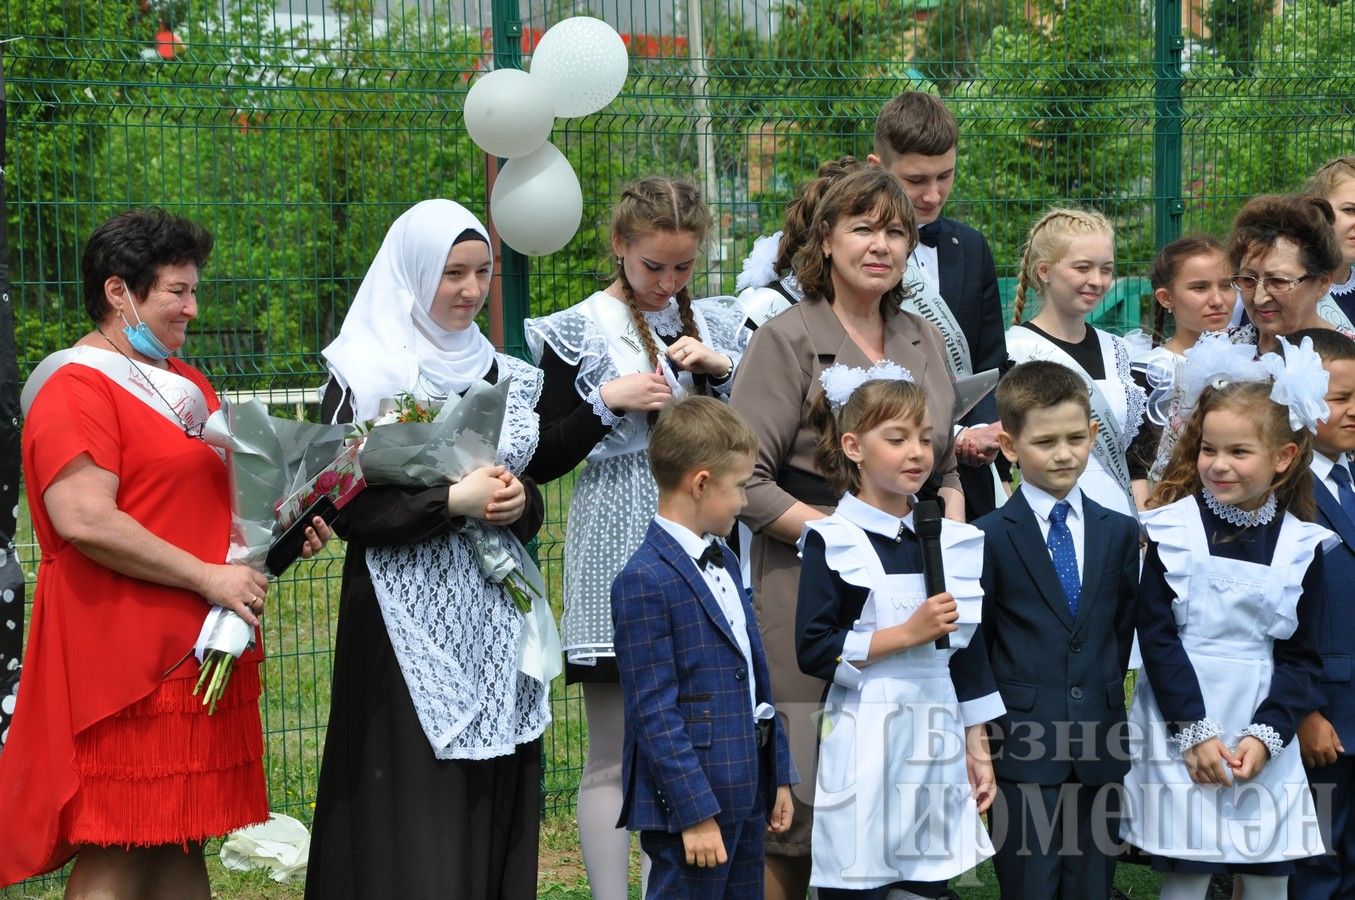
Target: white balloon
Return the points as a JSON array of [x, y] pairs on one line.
[[537, 203], [509, 113], [583, 62]]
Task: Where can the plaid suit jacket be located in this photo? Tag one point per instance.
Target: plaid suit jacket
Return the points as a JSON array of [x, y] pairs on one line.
[[691, 748]]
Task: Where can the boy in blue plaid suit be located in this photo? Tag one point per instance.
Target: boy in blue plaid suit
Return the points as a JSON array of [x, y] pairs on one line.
[[705, 766]]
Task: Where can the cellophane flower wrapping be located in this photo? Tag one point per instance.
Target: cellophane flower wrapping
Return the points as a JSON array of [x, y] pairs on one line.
[[463, 437], [268, 459]]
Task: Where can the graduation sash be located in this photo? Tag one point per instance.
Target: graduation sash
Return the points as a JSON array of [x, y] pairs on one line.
[[926, 301], [172, 396]]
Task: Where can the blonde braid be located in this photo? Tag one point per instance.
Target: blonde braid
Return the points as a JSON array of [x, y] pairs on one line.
[[1020, 296], [1047, 245]]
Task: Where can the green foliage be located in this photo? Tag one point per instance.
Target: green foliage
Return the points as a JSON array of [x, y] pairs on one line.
[[1060, 111], [1235, 27], [1271, 136]]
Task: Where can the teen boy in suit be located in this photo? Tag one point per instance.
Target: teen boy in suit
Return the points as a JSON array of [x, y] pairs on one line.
[[1060, 580], [706, 768], [915, 140]]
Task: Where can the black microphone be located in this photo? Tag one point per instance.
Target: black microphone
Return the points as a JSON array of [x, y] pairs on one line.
[[927, 524]]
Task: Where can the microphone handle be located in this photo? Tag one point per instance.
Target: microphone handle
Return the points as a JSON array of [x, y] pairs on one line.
[[934, 578]]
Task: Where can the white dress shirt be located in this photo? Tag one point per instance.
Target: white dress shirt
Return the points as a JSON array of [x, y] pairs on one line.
[[1322, 466], [725, 591], [1042, 504]]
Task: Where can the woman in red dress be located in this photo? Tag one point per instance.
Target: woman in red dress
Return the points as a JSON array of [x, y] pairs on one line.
[[110, 758]]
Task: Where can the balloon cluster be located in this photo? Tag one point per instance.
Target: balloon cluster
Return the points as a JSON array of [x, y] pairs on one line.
[[578, 67]]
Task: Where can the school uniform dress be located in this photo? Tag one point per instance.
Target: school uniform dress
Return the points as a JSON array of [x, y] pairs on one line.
[[580, 349], [1058, 620], [1152, 446], [701, 736], [774, 388], [893, 802], [1228, 629], [1333, 873], [1118, 404], [1338, 307], [430, 780]]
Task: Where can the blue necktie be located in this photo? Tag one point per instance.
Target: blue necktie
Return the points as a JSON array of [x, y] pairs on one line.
[[1341, 475], [1060, 543]]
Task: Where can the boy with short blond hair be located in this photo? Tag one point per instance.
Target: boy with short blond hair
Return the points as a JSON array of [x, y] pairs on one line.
[[1060, 587], [706, 767]]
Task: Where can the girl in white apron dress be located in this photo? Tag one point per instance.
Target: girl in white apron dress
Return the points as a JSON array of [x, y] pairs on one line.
[[1232, 570], [1069, 262], [903, 772], [609, 362]]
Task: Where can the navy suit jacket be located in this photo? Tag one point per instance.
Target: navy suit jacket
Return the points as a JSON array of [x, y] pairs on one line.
[[968, 283], [1336, 618], [691, 748], [1062, 680]]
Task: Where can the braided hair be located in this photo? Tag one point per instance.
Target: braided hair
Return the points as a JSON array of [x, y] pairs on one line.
[[1048, 240], [658, 203], [1168, 265]]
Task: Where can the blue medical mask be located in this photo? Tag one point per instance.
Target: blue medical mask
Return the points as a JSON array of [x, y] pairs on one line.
[[142, 339]]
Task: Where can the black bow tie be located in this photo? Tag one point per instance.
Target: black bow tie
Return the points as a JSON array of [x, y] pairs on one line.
[[713, 555], [929, 234]]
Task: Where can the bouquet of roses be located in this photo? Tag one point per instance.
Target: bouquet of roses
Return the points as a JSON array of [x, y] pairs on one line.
[[270, 460], [420, 446]]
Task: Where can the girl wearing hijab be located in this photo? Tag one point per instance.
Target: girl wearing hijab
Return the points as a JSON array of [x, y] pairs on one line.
[[430, 781]]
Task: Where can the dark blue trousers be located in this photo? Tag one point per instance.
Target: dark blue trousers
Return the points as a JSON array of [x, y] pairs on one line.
[[1331, 875], [741, 878]]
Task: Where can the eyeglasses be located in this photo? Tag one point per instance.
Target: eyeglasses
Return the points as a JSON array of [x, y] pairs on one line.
[[1275, 285], [194, 432]]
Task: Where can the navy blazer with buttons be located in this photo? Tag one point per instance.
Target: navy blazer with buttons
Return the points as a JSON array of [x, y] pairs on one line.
[[1336, 617], [691, 749], [1061, 679], [967, 280]]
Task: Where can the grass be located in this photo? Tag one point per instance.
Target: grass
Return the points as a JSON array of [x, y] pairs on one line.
[[299, 640]]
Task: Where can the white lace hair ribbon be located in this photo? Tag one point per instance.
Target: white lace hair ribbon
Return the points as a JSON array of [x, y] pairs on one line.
[[1300, 383], [759, 269], [841, 381], [1214, 360]]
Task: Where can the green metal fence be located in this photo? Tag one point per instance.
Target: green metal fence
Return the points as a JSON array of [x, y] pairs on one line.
[[297, 131]]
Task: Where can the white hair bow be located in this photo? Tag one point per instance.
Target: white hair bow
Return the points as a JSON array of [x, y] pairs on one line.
[[841, 381], [1300, 383]]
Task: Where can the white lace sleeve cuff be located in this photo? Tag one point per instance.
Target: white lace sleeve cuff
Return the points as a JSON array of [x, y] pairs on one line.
[[1266, 735], [1198, 733], [600, 409]]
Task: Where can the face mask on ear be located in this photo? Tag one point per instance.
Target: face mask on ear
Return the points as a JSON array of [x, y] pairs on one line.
[[142, 339]]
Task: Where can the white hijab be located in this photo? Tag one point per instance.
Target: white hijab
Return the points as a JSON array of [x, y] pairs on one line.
[[389, 343]]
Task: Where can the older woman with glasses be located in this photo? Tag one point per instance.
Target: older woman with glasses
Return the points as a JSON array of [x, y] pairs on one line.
[[1284, 251]]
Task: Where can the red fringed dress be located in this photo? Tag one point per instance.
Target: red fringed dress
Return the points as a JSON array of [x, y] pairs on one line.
[[105, 747]]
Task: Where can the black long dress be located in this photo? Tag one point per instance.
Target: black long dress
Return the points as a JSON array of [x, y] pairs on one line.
[[391, 820]]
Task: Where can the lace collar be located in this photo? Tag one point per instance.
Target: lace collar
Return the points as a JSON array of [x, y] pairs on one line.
[[1262, 515], [667, 321]]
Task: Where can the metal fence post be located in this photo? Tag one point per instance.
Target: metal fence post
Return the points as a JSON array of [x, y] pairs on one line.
[[1168, 116], [513, 266]]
